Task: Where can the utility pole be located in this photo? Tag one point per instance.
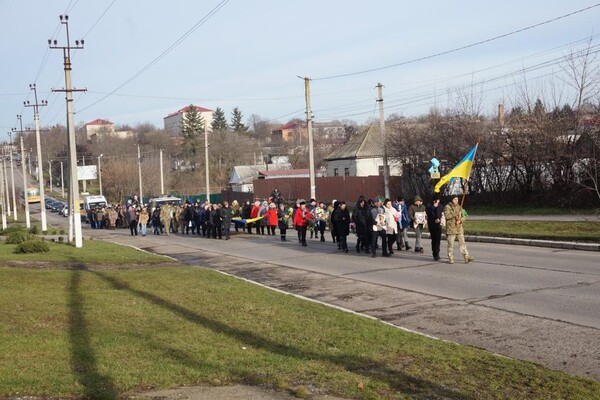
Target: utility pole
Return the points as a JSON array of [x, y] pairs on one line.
[[23, 171], [386, 168], [7, 203], [73, 181], [25, 196], [206, 160], [162, 184], [311, 151], [100, 173], [12, 174], [140, 174], [2, 196], [36, 118]]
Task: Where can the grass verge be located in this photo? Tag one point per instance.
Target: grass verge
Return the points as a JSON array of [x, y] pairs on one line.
[[102, 334], [550, 230], [524, 210], [92, 252]]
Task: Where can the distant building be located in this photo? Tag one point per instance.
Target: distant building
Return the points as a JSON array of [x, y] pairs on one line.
[[99, 127], [174, 121], [291, 132], [242, 176], [361, 156]]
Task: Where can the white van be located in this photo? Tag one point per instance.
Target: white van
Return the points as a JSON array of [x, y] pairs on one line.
[[94, 201]]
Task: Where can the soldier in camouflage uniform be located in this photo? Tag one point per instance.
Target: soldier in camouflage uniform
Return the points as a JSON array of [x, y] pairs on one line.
[[166, 214], [454, 230]]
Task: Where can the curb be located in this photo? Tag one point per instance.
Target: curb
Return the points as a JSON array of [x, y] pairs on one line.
[[524, 242]]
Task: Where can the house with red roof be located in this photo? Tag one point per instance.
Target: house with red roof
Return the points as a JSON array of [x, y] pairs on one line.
[[99, 126], [174, 121], [293, 132]]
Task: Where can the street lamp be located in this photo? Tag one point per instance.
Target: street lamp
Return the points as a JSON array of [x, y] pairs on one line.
[[100, 173]]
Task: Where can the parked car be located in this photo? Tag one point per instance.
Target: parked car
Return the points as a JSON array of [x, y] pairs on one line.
[[64, 211]]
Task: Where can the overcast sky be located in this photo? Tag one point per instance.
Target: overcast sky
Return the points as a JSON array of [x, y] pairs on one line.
[[250, 53]]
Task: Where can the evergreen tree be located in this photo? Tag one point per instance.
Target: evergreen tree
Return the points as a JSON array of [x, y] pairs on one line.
[[192, 129], [219, 122], [236, 121]]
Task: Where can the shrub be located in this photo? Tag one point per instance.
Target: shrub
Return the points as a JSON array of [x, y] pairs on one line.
[[32, 246], [12, 228], [61, 239], [62, 232], [53, 232], [19, 236], [34, 230]]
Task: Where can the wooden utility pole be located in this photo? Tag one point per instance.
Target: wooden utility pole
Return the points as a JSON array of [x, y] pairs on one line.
[[386, 168]]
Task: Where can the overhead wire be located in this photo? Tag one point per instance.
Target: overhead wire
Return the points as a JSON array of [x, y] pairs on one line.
[[177, 42], [456, 49]]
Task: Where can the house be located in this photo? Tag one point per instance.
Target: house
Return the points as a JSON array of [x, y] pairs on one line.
[[284, 173], [362, 155], [242, 176], [174, 121], [292, 132], [99, 127]]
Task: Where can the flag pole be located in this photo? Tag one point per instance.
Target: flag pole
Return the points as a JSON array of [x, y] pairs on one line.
[[466, 185]]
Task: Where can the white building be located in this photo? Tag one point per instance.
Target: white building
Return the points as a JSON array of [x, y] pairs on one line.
[[99, 126], [174, 121], [361, 156]]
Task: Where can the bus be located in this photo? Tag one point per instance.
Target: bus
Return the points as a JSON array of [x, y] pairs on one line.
[[33, 195]]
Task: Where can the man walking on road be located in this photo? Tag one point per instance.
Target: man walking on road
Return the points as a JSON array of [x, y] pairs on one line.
[[454, 230]]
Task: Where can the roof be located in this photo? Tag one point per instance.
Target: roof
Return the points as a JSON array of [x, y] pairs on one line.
[[244, 173], [186, 109], [99, 121], [365, 144], [291, 125], [286, 172]]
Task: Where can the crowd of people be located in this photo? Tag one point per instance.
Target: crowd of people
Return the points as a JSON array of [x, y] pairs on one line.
[[381, 225]]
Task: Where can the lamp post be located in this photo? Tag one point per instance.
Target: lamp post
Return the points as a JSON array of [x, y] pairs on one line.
[[100, 173], [62, 180], [50, 174]]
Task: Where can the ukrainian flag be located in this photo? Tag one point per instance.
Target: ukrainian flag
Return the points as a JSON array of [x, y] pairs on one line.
[[461, 170]]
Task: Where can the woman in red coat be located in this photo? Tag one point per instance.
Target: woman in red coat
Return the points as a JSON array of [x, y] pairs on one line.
[[254, 214], [271, 218], [301, 218]]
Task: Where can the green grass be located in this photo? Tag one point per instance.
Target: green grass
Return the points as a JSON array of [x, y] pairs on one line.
[[524, 210], [98, 333], [93, 251], [551, 230]]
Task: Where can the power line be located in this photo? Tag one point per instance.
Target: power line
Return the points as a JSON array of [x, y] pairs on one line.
[[201, 22], [99, 18], [459, 48]]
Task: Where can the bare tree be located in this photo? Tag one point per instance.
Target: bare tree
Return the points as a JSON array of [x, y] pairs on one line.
[[582, 72]]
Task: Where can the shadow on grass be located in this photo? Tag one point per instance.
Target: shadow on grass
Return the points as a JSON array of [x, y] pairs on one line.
[[83, 360], [397, 380]]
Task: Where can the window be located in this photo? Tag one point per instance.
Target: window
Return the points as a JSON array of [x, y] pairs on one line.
[[335, 172], [346, 171]]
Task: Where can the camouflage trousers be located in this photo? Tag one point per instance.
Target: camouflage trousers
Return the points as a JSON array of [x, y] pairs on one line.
[[462, 246]]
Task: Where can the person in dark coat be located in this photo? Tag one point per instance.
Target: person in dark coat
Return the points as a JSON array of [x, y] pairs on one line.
[[217, 223], [434, 216], [360, 218], [341, 222], [226, 215], [284, 214], [245, 214]]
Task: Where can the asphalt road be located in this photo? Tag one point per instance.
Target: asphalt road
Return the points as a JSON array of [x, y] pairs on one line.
[[533, 303]]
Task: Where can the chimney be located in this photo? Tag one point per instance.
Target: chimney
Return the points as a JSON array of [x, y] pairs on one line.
[[501, 115]]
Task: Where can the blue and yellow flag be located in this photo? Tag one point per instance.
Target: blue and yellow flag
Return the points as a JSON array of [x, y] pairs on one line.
[[461, 170]]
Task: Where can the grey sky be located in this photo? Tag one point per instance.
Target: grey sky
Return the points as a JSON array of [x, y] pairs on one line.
[[249, 54]]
